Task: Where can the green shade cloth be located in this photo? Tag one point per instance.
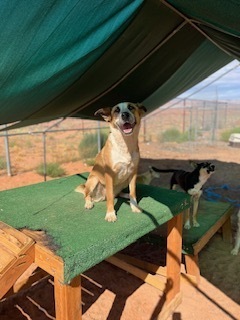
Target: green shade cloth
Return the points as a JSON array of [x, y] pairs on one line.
[[69, 58], [80, 237]]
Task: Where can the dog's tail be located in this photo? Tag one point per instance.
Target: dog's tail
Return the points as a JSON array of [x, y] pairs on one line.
[[163, 170], [80, 188]]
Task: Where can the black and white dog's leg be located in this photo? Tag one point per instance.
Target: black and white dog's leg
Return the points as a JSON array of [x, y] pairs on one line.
[[237, 243], [195, 208], [187, 223]]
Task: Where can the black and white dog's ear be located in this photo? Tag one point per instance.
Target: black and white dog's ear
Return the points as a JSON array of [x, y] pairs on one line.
[[105, 113], [193, 164]]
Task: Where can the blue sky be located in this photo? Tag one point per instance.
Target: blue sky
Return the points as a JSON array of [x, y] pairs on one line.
[[226, 88]]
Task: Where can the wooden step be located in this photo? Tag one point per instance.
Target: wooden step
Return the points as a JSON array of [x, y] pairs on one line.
[[16, 255]]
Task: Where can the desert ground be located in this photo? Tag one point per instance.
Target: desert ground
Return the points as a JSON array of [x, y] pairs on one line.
[[112, 294]]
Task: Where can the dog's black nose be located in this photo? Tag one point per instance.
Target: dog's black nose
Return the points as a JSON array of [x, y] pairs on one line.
[[125, 116]]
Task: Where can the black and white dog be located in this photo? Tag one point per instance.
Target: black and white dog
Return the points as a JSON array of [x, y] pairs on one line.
[[191, 183]]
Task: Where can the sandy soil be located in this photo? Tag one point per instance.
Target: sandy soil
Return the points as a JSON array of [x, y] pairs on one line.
[[112, 294]]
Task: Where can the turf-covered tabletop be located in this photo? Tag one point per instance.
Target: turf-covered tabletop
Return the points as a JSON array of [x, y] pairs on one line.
[[208, 214], [82, 238]]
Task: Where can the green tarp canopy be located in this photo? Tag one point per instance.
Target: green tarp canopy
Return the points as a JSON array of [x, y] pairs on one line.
[[63, 58]]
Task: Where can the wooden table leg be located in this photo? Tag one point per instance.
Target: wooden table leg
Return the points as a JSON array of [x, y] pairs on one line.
[[68, 299], [174, 254], [192, 266], [227, 231]]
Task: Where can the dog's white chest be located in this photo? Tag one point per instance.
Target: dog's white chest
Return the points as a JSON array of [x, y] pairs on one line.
[[195, 190], [123, 165], [198, 186]]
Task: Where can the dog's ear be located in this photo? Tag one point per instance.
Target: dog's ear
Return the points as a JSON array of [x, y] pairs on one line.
[[141, 108], [193, 164], [105, 113]]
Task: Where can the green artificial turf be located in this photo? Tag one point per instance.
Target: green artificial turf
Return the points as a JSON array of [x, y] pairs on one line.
[[208, 214], [82, 238]]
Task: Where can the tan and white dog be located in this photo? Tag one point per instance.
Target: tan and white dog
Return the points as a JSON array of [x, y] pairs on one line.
[[116, 165]]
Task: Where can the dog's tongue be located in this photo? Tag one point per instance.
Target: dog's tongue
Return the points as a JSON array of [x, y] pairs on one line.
[[127, 128]]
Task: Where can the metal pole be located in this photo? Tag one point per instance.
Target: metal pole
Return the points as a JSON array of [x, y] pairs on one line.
[[144, 130], [191, 120], [44, 157], [184, 115], [226, 114], [203, 117], [196, 122], [215, 117], [8, 160], [214, 124]]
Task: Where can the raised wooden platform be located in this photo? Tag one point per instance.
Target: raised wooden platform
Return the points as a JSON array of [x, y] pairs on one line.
[[69, 239], [16, 255], [213, 217]]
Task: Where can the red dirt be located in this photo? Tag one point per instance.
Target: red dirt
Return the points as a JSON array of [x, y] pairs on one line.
[[122, 296]]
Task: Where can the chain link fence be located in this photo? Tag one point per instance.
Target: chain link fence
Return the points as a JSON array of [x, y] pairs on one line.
[[58, 142], [195, 120], [27, 149]]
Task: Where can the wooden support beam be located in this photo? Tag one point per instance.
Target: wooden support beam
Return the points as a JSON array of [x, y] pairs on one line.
[[139, 273], [192, 267], [16, 255], [169, 309], [227, 231], [174, 255], [68, 299], [49, 262], [67, 296], [200, 244], [153, 268]]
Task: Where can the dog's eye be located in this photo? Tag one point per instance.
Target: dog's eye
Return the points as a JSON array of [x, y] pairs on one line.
[[130, 107], [117, 110]]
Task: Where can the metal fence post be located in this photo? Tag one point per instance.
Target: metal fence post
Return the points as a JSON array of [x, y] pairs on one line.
[[8, 160], [144, 131], [215, 119], [184, 116], [44, 157]]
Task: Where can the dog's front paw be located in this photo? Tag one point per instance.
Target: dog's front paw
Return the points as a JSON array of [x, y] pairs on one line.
[[134, 206], [89, 204], [111, 216], [234, 251], [187, 225], [196, 224], [136, 209]]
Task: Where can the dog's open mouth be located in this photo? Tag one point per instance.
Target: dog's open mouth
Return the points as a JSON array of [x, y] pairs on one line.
[[127, 128]]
